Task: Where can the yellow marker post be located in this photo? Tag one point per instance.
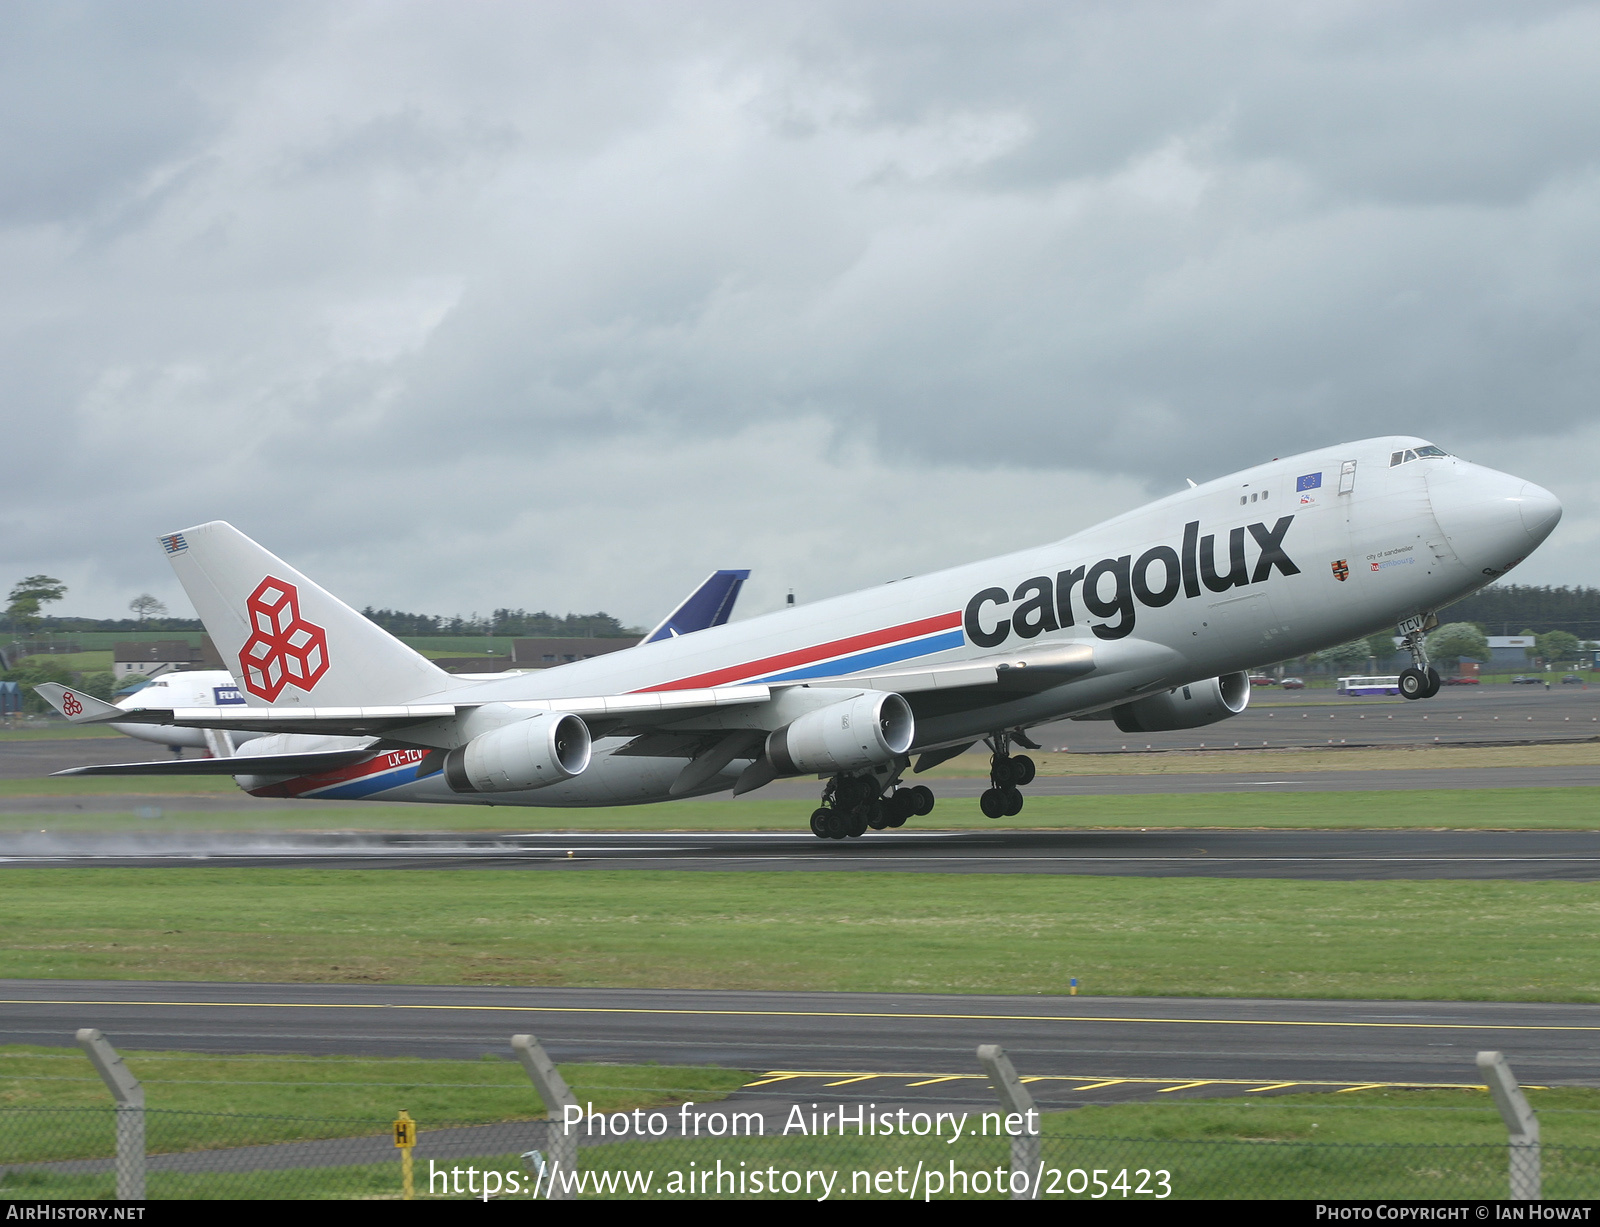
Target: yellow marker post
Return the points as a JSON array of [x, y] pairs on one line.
[[405, 1137]]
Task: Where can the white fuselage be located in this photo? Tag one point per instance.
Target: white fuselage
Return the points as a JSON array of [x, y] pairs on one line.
[[1270, 563]]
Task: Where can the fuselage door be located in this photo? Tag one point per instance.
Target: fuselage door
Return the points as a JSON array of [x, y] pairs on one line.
[[1347, 477]]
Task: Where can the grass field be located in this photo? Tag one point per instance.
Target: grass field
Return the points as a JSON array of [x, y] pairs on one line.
[[1456, 809], [963, 933], [491, 1089]]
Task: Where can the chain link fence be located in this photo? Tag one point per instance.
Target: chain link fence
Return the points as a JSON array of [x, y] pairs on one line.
[[62, 1154]]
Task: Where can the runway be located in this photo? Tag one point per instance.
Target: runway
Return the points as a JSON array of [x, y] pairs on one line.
[[1305, 855], [882, 1047]]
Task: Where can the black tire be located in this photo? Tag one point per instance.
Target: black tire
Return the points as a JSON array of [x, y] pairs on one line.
[[838, 824], [924, 796], [819, 822], [878, 815], [1000, 772], [1022, 771], [1434, 683], [993, 803], [858, 821], [898, 818], [1413, 684], [1013, 800]]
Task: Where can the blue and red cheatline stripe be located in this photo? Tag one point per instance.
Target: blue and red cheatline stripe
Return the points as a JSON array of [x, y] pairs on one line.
[[850, 655], [384, 771]]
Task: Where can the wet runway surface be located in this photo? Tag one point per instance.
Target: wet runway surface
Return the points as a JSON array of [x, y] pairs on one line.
[[830, 1047], [1308, 855]]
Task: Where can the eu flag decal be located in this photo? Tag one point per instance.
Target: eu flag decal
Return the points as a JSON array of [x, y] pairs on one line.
[[1309, 482]]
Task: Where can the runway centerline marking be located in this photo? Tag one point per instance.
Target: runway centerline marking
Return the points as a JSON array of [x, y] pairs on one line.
[[752, 1013]]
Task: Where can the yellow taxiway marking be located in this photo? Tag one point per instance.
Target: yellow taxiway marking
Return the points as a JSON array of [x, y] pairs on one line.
[[896, 1014], [1087, 1082]]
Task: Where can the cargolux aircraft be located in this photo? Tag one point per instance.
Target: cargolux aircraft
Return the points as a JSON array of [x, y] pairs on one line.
[[1152, 619]]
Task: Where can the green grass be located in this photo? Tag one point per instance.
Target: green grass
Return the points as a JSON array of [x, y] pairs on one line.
[[435, 1092], [1461, 809], [962, 933]]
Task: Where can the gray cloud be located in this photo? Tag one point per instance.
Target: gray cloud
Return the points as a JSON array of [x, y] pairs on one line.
[[566, 304]]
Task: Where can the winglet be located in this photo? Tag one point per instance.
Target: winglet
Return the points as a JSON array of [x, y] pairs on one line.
[[76, 706]]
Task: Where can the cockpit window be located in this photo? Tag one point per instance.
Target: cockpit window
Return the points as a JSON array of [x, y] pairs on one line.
[[1420, 453]]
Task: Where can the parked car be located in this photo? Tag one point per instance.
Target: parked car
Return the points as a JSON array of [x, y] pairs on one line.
[[1522, 679], [1466, 679], [1292, 683], [1571, 679]]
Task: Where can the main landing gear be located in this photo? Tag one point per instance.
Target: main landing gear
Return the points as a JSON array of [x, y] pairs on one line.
[[854, 804], [1421, 681], [1008, 775]]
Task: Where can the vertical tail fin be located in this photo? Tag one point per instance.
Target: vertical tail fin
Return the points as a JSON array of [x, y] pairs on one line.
[[708, 605], [285, 639]]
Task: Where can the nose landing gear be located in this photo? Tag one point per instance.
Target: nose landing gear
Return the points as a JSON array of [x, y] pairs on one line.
[[1008, 775], [1421, 681]]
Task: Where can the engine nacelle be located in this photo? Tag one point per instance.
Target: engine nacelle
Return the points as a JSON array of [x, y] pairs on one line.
[[861, 732], [545, 749], [1186, 707]]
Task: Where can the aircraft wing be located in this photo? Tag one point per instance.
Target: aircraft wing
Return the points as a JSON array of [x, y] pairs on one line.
[[395, 721]]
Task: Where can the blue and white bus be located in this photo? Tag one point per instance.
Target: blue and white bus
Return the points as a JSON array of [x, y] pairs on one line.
[[1358, 687]]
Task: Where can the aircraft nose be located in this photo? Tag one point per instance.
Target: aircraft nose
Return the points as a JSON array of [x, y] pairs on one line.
[[1541, 511]]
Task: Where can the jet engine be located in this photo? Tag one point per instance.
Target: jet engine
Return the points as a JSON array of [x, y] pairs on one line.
[[532, 753], [861, 732], [1186, 707]]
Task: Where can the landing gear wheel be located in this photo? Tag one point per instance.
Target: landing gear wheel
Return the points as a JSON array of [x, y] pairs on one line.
[[1433, 683], [1013, 802], [924, 797], [838, 824], [897, 807], [859, 820], [878, 815], [819, 822], [993, 802], [1413, 684], [1022, 771]]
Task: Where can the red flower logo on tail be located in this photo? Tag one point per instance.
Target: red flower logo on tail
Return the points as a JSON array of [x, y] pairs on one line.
[[283, 649]]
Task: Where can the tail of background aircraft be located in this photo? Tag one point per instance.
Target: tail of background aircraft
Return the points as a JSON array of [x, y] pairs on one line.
[[708, 605], [285, 639]]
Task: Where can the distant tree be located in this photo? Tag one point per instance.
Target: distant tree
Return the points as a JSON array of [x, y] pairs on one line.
[[1345, 654], [1457, 640], [146, 606], [1557, 645], [29, 594], [1381, 646], [31, 675], [1532, 650]]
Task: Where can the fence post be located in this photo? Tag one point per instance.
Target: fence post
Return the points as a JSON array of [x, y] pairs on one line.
[[1521, 1124], [561, 1144], [129, 1097], [1014, 1098]]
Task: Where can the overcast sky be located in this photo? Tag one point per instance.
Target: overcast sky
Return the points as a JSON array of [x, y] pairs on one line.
[[563, 305]]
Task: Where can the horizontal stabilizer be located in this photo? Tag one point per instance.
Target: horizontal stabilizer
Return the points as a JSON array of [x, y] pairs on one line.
[[78, 707], [259, 764]]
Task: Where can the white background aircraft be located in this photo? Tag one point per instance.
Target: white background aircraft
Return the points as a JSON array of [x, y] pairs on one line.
[[1153, 618]]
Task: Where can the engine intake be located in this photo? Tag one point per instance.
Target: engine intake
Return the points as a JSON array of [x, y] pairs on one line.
[[1186, 707], [860, 732], [532, 753]]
